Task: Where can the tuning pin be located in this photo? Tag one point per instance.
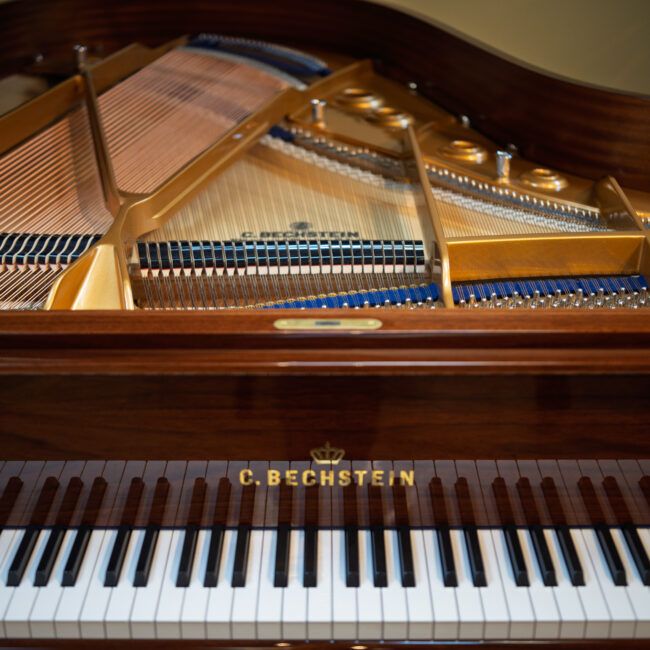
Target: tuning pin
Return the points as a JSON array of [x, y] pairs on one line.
[[318, 111], [503, 165], [81, 56]]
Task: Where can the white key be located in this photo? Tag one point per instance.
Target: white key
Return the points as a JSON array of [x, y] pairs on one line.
[[637, 592], [269, 604], [41, 619], [16, 617], [195, 595], [468, 597], [244, 604], [319, 598], [170, 602], [598, 619], [294, 595], [146, 599], [418, 598], [443, 599], [522, 618], [9, 541], [495, 608], [573, 617], [392, 596], [92, 621], [547, 616], [620, 610], [120, 603], [368, 596], [344, 598], [220, 599], [68, 614]]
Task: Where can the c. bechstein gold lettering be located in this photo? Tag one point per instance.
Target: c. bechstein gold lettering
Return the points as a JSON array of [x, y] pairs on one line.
[[329, 477]]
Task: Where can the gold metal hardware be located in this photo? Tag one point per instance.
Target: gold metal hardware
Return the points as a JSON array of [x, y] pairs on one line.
[[359, 100], [313, 324], [541, 178], [392, 118], [435, 245], [465, 151]]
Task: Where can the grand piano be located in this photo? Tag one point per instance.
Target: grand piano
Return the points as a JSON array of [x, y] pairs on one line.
[[309, 337]]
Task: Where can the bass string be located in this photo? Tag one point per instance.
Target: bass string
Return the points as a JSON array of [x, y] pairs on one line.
[[165, 115], [50, 184]]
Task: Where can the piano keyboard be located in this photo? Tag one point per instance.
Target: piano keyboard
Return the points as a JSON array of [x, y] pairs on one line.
[[499, 550]]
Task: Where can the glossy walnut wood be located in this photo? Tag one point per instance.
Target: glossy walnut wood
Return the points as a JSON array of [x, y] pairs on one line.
[[579, 129], [229, 385]]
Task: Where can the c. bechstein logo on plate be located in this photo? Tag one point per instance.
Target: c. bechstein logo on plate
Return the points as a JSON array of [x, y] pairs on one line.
[[325, 471]]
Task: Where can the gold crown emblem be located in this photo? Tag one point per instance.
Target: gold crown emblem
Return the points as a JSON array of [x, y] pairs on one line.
[[327, 455]]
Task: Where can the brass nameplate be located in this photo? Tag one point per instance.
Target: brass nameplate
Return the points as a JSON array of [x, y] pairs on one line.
[[327, 324]]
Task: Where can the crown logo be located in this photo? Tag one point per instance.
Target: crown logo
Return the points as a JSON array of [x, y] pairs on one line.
[[327, 455]]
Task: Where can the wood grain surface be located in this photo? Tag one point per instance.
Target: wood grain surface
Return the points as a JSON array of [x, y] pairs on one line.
[[579, 129]]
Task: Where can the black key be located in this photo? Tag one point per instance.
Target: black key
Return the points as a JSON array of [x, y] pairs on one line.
[[145, 559], [445, 550], [639, 555], [282, 546], [191, 533], [312, 517], [513, 545], [241, 556], [310, 574], [540, 545], [570, 555], [214, 556], [377, 541], [48, 558], [352, 577], [470, 533], [129, 513], [644, 484], [281, 574], [8, 499], [378, 545], [76, 557], [219, 520], [543, 555], [516, 556], [116, 559], [567, 547], [603, 534], [612, 558], [441, 518], [243, 536], [405, 550], [476, 566], [148, 548], [22, 556], [187, 556], [82, 537], [352, 556]]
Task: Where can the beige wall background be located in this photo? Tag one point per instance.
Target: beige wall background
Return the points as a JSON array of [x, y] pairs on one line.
[[600, 42]]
